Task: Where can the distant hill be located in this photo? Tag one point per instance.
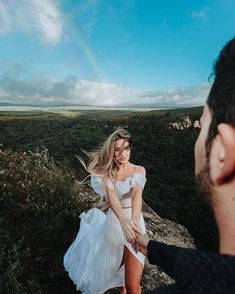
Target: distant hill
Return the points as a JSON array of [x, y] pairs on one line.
[[5, 104], [140, 105]]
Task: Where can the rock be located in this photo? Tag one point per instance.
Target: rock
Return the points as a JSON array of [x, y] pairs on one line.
[[185, 123], [159, 229], [165, 231]]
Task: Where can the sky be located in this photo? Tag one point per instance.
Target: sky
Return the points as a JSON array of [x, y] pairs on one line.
[[102, 52]]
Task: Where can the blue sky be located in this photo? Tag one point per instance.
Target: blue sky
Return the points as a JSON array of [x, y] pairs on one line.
[[111, 52]]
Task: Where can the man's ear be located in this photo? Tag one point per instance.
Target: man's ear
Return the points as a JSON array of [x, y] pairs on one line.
[[222, 155]]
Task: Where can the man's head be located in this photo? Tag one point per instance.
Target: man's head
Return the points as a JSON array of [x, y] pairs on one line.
[[215, 146]]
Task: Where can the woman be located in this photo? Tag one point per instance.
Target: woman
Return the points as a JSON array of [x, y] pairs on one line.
[[105, 254]]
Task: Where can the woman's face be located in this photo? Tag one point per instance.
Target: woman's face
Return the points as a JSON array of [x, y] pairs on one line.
[[124, 155]]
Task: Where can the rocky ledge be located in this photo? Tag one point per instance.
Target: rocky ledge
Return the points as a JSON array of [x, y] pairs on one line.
[[159, 229]]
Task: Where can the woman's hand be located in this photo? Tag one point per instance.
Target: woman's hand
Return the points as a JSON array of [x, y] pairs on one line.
[[129, 229], [138, 228], [139, 231]]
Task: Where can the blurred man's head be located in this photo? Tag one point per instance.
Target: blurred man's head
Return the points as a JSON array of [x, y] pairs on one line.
[[215, 146]]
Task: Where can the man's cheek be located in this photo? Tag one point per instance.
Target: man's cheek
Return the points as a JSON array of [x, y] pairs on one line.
[[197, 156]]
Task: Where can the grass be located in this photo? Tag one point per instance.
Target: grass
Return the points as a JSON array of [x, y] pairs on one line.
[[38, 218]]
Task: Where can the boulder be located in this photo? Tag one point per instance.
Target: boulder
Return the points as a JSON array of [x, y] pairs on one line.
[[157, 228]]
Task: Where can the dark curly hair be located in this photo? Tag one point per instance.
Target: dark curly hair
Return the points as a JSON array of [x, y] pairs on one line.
[[221, 99]]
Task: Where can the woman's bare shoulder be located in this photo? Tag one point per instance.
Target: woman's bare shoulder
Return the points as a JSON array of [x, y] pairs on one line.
[[139, 169]]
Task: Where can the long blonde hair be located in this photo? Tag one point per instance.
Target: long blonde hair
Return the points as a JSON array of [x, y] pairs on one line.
[[102, 162]]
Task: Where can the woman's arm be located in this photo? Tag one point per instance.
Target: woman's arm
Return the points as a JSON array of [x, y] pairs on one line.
[[136, 202], [136, 198], [115, 203], [127, 225]]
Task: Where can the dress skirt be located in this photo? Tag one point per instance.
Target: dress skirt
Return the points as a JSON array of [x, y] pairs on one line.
[[93, 261]]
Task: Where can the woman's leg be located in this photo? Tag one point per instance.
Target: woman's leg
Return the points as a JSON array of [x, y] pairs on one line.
[[133, 272]]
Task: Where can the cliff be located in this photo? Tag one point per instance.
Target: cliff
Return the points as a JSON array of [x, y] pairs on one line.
[[159, 229]]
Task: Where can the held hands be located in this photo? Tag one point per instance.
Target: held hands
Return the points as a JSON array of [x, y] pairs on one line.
[[133, 233], [130, 228], [142, 241]]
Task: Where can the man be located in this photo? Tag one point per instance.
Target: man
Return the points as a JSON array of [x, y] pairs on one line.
[[197, 271]]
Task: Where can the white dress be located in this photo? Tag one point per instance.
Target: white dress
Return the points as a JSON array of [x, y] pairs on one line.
[[93, 260]]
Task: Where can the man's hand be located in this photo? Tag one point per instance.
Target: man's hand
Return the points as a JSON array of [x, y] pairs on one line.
[[143, 243]]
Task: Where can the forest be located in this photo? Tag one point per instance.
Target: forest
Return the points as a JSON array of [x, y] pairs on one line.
[[43, 147]]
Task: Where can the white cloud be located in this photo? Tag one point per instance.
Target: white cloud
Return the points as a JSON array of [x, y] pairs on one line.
[[48, 20], [98, 93], [46, 91], [3, 94], [40, 16], [200, 14], [5, 19], [175, 97]]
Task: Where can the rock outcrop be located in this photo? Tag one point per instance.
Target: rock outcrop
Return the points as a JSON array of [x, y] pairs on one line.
[[159, 229], [165, 231], [184, 124]]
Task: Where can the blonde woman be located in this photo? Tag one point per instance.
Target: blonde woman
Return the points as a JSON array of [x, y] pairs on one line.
[[105, 253]]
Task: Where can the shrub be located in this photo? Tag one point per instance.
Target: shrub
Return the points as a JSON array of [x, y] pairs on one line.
[[39, 216]]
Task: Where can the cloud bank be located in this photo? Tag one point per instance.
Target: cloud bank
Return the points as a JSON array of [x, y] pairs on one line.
[[71, 91]]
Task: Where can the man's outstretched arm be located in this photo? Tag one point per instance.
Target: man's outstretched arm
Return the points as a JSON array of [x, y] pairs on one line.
[[160, 254], [163, 255]]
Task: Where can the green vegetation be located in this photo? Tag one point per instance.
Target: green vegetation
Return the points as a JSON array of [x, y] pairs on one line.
[[38, 217], [39, 210]]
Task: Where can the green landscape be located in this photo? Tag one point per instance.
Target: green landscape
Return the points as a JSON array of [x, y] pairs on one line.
[[39, 169]]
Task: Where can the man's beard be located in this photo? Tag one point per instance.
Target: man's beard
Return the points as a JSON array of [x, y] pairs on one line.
[[204, 185]]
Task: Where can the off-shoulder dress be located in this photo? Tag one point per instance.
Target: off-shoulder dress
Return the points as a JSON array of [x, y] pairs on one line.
[[93, 261]]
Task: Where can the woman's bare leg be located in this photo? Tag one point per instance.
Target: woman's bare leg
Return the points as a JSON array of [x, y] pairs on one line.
[[133, 272], [123, 290]]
